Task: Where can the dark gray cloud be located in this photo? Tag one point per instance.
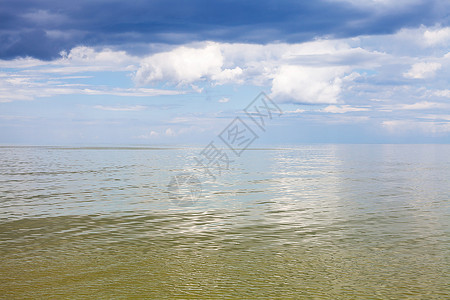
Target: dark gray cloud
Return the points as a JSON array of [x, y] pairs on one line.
[[43, 28]]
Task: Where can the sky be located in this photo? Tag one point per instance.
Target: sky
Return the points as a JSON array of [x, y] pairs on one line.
[[179, 72]]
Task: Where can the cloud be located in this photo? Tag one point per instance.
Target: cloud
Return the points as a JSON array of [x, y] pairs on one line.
[[224, 100], [423, 105], [335, 120], [297, 111], [15, 87], [182, 65], [316, 72], [433, 128], [188, 64], [437, 37], [197, 89], [312, 72], [77, 60], [343, 109], [417, 42], [436, 117], [164, 133], [151, 135], [131, 92], [42, 29], [423, 70], [29, 78], [87, 59], [308, 85], [170, 132], [228, 76], [44, 17], [382, 4], [442, 93], [121, 108], [90, 55], [345, 74]]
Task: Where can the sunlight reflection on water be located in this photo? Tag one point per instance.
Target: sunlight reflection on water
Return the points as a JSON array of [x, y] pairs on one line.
[[351, 221]]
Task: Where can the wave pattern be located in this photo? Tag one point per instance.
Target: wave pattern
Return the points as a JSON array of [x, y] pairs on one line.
[[331, 221]]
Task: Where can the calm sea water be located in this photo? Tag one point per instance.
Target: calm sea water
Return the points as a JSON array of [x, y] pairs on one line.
[[331, 221]]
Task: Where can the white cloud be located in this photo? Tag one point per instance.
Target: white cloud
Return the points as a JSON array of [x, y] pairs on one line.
[[154, 133], [392, 125], [197, 89], [316, 72], [312, 72], [28, 87], [423, 105], [297, 111], [221, 63], [442, 93], [151, 135], [308, 84], [28, 78], [408, 43], [423, 70], [121, 108], [106, 56], [228, 75], [182, 65], [132, 92], [22, 62], [343, 109], [170, 132], [86, 59], [346, 119], [436, 117], [162, 132], [412, 126], [437, 36], [224, 100]]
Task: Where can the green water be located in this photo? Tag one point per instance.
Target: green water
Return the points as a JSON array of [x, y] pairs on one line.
[[323, 222]]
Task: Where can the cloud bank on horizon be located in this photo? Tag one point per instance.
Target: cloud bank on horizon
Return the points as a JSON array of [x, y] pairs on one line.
[[178, 71]]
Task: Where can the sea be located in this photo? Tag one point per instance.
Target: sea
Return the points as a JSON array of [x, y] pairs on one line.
[[294, 222]]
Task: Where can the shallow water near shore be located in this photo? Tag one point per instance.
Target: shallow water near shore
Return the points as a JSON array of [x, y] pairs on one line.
[[320, 221]]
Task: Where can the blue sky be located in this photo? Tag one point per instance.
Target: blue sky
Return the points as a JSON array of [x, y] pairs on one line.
[[178, 72]]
